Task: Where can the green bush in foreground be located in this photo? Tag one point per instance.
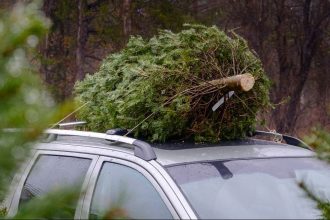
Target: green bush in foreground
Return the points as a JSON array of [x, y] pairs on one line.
[[58, 204], [160, 77], [24, 103], [319, 139], [25, 106]]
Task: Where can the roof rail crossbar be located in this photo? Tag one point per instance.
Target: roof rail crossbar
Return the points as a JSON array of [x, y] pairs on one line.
[[142, 149], [73, 123], [288, 139]]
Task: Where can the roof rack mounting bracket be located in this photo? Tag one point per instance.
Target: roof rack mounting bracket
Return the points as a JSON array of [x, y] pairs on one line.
[[144, 151]]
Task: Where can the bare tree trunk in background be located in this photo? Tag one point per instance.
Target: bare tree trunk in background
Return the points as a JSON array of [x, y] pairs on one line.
[[299, 32], [315, 20], [323, 82], [195, 7], [254, 16], [285, 66], [296, 31], [127, 20], [46, 75], [81, 40]]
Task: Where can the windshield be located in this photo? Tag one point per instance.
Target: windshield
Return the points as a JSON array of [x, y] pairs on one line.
[[256, 188]]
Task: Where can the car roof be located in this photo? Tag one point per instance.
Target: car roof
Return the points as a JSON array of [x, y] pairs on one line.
[[183, 152], [229, 150]]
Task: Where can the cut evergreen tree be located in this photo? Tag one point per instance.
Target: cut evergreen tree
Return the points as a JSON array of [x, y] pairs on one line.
[[164, 88]]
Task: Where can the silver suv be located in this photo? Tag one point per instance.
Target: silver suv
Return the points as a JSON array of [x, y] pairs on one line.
[[240, 179]]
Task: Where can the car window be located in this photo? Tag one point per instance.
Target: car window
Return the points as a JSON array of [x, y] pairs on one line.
[[123, 192], [52, 172], [254, 189]]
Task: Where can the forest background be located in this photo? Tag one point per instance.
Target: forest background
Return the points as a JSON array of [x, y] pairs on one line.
[[291, 37]]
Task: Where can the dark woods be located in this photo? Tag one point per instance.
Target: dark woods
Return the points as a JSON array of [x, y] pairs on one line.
[[291, 37]]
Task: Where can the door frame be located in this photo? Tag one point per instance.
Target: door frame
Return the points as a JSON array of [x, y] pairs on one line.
[[174, 210]]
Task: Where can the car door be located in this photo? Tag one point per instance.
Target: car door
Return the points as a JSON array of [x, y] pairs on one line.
[[49, 171], [124, 189]]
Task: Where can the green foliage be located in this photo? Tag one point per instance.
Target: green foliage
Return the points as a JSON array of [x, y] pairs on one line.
[[24, 104], [158, 77], [322, 205], [3, 212], [319, 139], [325, 208], [58, 204]]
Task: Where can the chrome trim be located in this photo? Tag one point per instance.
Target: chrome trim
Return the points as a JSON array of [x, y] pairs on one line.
[[74, 123]]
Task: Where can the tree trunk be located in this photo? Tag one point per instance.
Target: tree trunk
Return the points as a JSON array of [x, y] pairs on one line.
[[81, 40], [285, 67], [243, 82], [46, 75], [126, 15], [313, 29]]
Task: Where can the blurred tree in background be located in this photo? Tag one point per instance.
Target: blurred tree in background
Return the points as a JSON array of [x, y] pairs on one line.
[[291, 37], [25, 104], [85, 31]]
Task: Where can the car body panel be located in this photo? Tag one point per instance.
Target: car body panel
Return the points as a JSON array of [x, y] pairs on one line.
[[106, 154], [167, 154], [182, 199]]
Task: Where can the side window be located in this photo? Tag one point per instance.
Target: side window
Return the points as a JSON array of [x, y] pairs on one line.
[[122, 192], [52, 172]]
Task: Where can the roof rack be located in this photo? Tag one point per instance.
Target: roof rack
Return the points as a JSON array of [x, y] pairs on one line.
[[288, 139], [142, 149], [70, 124]]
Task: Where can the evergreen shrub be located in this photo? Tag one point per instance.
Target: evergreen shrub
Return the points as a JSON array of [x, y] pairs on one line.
[[158, 79]]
